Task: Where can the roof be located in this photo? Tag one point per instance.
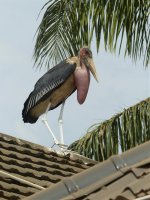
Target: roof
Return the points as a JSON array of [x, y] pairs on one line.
[[129, 184], [26, 168], [32, 172], [121, 177]]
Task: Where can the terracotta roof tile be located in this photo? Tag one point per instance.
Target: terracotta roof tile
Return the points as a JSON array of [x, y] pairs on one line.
[[22, 161]]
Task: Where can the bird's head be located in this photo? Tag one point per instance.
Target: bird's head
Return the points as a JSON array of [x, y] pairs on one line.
[[86, 58]]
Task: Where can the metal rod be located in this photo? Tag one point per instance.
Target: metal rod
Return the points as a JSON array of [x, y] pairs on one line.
[[22, 180]]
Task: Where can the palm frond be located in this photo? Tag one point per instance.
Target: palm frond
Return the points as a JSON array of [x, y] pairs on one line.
[[124, 19], [68, 25], [61, 32], [118, 134], [49, 43]]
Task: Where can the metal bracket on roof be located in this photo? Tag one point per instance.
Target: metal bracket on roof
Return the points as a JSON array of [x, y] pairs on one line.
[[70, 185], [118, 162]]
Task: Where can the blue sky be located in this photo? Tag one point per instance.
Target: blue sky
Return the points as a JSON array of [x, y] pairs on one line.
[[122, 83]]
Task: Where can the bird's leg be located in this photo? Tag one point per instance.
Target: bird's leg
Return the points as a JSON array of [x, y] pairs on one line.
[[44, 120], [60, 122]]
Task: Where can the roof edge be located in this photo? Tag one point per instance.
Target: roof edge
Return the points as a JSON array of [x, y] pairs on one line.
[[98, 172]]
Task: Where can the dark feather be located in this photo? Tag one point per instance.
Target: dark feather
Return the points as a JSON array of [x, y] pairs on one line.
[[53, 79]]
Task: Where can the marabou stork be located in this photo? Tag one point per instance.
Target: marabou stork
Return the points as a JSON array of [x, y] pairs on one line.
[[54, 87]]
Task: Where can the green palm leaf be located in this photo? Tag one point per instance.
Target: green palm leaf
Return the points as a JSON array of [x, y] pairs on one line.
[[49, 38], [61, 32], [68, 25], [122, 132]]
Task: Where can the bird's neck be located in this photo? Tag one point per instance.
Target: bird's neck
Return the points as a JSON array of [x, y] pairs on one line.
[[82, 65], [82, 60]]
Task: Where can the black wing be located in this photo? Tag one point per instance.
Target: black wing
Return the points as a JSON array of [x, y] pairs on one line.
[[45, 85]]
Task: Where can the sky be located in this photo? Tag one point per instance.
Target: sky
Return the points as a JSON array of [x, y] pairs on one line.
[[122, 83]]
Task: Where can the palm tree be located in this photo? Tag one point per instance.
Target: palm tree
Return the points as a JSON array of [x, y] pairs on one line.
[[67, 26], [118, 134]]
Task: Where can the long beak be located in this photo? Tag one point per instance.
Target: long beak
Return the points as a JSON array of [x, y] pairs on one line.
[[92, 68]]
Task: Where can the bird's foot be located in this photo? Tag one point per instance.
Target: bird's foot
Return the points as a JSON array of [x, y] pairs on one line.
[[56, 142], [61, 146]]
